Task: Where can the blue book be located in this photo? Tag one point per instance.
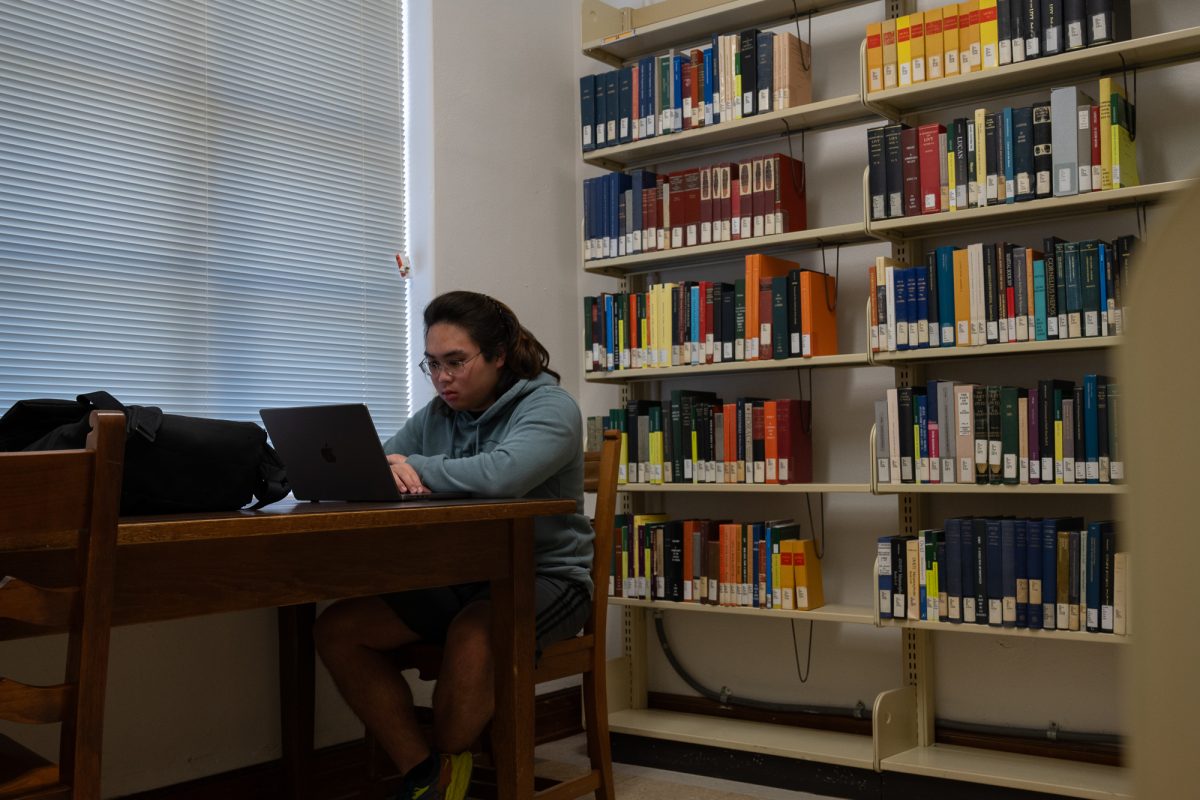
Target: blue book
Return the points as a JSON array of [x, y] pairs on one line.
[[600, 103], [1008, 571], [995, 574], [612, 106], [979, 528], [1108, 549], [921, 410], [693, 335], [945, 298], [677, 82], [608, 332], [715, 52], [922, 600], [1022, 150], [1010, 189], [954, 570], [1105, 254], [969, 563], [587, 111], [625, 105], [910, 306], [1049, 573], [1033, 570], [646, 90], [1021, 563], [765, 85], [708, 87], [1091, 437], [1092, 619], [620, 184], [921, 307], [1039, 300]]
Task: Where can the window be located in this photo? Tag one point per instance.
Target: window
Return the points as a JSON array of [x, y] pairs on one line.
[[201, 203]]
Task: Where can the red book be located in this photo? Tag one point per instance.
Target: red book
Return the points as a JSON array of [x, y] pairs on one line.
[[697, 88], [691, 207], [649, 239], [745, 207], [910, 156], [790, 200], [794, 431], [728, 190], [662, 232], [771, 440], [674, 208], [760, 198], [706, 203], [931, 166], [1095, 129]]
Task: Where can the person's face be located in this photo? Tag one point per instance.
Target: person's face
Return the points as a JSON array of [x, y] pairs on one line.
[[462, 376]]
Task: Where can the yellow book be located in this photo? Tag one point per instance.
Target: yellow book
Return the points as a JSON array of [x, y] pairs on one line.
[[980, 158], [776, 588], [969, 57], [1105, 102], [933, 45], [904, 49], [962, 299], [890, 76], [787, 574], [1124, 148], [989, 34], [623, 461], [810, 590], [874, 57], [1058, 451], [952, 200], [950, 46], [642, 545], [917, 42]]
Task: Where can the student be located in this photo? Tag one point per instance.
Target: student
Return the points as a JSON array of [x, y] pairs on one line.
[[499, 427]]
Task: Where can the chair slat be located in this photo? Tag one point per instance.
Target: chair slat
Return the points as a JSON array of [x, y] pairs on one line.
[[36, 605], [33, 705], [27, 479]]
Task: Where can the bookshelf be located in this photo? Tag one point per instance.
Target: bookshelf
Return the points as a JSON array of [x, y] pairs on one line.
[[903, 718], [745, 488], [830, 612]]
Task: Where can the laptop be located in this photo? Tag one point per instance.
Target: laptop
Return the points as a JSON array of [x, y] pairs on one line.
[[334, 453]]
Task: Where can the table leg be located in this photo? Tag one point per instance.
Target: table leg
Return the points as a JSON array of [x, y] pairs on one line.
[[297, 668], [513, 643]]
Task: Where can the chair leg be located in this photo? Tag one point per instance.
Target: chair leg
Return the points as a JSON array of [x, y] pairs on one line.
[[595, 713]]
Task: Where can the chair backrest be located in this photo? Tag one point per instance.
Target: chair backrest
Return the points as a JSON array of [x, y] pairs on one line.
[[57, 499], [600, 476]]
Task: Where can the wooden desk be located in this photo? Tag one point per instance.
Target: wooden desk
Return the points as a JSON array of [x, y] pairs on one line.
[[299, 553]]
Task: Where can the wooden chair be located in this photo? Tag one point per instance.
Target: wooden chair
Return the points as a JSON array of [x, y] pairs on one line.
[[582, 655], [63, 498]]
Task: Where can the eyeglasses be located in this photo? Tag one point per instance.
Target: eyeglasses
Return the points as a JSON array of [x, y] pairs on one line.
[[449, 368]]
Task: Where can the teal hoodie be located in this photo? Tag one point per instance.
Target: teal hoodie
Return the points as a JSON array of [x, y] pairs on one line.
[[526, 444]]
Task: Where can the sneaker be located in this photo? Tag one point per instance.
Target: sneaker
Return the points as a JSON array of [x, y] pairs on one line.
[[452, 781]]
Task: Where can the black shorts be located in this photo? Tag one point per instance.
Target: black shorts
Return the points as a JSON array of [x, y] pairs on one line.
[[561, 606]]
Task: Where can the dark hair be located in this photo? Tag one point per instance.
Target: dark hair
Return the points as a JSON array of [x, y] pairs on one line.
[[495, 328]]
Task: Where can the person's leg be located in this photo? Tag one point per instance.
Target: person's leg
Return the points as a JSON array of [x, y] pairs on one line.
[[464, 697], [353, 637]]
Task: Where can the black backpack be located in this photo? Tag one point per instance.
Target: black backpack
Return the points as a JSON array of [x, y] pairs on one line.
[[173, 463]]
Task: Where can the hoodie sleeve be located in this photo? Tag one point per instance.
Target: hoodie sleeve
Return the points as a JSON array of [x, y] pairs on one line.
[[407, 440], [543, 435]]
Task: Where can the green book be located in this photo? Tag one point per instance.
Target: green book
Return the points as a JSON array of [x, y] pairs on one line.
[[1009, 435]]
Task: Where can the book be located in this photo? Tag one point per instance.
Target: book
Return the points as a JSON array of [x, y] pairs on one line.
[[809, 593], [1064, 134]]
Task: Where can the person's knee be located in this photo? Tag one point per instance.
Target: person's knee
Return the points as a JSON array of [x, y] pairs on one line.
[[469, 639], [337, 627]]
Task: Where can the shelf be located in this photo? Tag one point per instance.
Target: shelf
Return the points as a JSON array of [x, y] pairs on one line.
[[726, 368], [852, 233], [827, 747], [1001, 489], [616, 35], [821, 114], [1147, 51], [1031, 773], [990, 350], [1029, 633], [746, 488], [1034, 210], [851, 615]]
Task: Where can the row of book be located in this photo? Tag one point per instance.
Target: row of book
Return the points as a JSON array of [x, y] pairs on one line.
[[715, 562], [1065, 147], [995, 293], [960, 38], [949, 432], [696, 437], [739, 75], [644, 212], [777, 311], [1045, 574]]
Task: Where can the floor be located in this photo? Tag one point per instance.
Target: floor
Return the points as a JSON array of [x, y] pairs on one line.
[[566, 757]]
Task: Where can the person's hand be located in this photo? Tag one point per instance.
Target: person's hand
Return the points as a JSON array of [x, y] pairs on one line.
[[407, 479]]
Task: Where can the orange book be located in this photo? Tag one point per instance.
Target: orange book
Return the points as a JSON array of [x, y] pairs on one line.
[[689, 526], [730, 465], [760, 266], [950, 39], [962, 299], [917, 47], [818, 320], [973, 35], [771, 440], [810, 591], [933, 44], [874, 57], [964, 35]]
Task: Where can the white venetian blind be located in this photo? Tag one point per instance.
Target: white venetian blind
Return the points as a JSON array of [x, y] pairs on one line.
[[201, 203]]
